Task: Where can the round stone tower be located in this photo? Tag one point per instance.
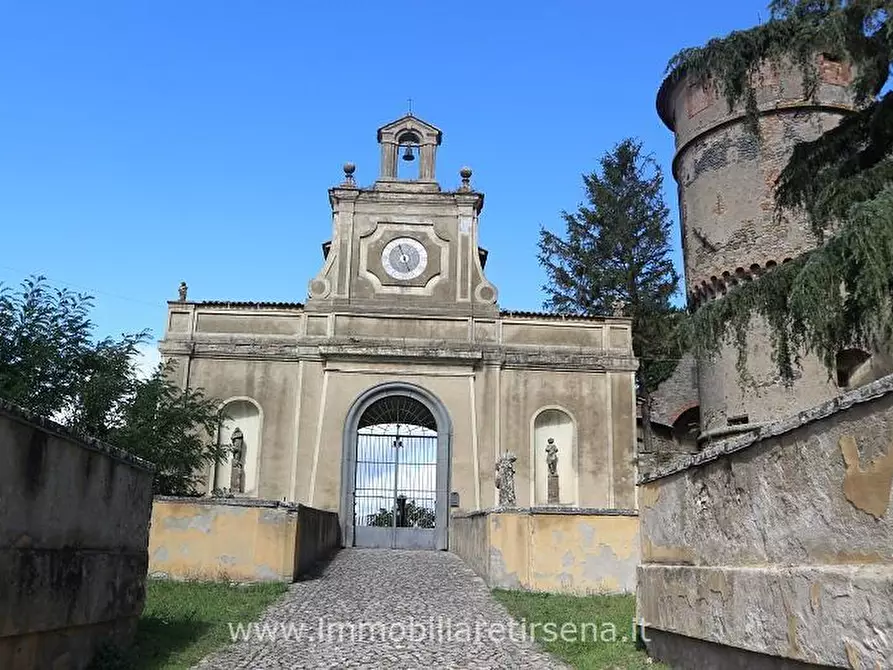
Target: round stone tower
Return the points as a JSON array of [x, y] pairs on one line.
[[730, 231]]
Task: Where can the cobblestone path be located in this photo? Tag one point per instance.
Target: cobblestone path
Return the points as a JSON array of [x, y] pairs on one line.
[[418, 609]]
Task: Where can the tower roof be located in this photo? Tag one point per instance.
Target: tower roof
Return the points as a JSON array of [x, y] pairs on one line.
[[410, 123]]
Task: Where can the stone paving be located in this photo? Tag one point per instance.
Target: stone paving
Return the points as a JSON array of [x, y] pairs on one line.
[[419, 609]]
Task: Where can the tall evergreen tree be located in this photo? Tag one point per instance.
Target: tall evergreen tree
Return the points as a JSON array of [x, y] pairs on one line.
[[839, 294], [616, 249]]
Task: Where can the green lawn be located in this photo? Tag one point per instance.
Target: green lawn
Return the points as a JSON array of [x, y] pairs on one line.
[[185, 621], [609, 636]]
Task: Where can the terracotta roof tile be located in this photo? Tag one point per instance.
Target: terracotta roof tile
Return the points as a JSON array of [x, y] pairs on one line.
[[552, 316], [255, 305]]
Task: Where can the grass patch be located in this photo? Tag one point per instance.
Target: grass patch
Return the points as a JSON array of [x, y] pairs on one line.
[[185, 621], [606, 642]]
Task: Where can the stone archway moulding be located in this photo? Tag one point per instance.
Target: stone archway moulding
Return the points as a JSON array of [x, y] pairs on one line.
[[349, 454]]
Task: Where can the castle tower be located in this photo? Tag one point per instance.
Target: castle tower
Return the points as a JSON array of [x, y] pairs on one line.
[[404, 245], [730, 230]]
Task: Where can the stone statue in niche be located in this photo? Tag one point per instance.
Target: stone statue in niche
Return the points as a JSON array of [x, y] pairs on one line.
[[237, 474], [553, 496], [505, 479], [552, 457]]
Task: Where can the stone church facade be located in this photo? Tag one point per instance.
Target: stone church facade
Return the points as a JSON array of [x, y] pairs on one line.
[[390, 393]]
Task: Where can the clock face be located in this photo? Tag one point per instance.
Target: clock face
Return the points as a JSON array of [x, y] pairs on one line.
[[404, 258]]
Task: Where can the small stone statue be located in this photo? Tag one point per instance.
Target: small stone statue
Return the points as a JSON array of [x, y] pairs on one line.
[[619, 305], [552, 457], [505, 479], [237, 474], [553, 497], [182, 291]]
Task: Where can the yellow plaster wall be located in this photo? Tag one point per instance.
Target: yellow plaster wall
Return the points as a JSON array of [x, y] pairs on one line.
[[579, 553], [215, 540]]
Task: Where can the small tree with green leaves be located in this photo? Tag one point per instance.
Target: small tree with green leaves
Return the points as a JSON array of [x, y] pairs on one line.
[[172, 428], [839, 294], [616, 249], [51, 365]]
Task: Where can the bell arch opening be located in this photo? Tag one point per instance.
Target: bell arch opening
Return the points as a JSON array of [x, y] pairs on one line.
[[408, 156], [395, 478]]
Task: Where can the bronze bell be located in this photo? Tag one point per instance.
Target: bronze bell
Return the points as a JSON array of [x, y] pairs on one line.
[[408, 156]]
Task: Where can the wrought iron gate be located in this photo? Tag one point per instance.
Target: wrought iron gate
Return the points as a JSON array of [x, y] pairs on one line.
[[395, 492]]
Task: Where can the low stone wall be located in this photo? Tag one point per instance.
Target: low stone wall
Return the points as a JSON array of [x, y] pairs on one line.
[[776, 545], [558, 550], [319, 535], [74, 523], [238, 539], [470, 539]]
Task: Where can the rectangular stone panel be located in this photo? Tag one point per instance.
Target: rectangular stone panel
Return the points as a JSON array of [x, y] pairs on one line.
[[179, 322], [619, 338], [317, 326], [254, 324], [485, 331], [552, 334], [418, 328]]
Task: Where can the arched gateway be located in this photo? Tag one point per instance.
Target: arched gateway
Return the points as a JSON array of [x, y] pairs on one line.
[[396, 469]]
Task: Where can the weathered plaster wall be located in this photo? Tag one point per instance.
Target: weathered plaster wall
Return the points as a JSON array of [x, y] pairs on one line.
[[493, 377], [576, 551], [237, 539], [74, 522], [273, 386], [779, 542]]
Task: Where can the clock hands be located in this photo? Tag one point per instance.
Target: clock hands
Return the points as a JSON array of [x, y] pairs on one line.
[[404, 258]]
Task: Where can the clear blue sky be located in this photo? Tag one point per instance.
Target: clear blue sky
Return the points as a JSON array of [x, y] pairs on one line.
[[145, 143]]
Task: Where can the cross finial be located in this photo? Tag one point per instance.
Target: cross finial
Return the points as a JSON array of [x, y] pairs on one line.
[[409, 101]]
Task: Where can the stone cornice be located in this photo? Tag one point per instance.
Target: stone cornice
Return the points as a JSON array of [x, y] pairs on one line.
[[558, 359], [388, 352], [703, 291], [863, 394], [559, 510]]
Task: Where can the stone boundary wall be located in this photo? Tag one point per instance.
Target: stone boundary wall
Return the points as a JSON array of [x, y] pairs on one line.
[[238, 539], [776, 545], [551, 549], [74, 530], [319, 536]]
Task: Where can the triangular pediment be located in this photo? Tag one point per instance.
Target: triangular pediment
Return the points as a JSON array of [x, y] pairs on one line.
[[425, 131]]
